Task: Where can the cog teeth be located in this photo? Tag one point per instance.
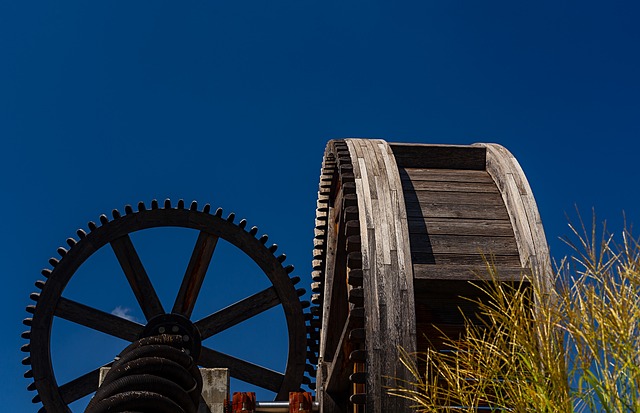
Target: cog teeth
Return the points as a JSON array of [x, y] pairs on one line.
[[39, 284], [142, 206], [243, 223], [167, 203], [27, 321], [281, 258], [62, 251], [305, 304], [206, 209], [180, 203], [32, 387], [301, 292], [154, 204], [115, 214], [46, 272], [31, 309], [273, 248], [26, 361], [34, 296], [36, 399], [295, 280], [28, 374], [71, 242], [253, 231], [81, 233], [53, 261], [289, 269], [263, 239], [104, 219], [92, 226], [218, 212], [26, 335], [26, 348], [194, 206], [231, 217], [128, 209]]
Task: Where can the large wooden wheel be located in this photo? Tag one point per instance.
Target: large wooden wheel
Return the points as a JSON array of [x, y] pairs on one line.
[[50, 302], [400, 230]]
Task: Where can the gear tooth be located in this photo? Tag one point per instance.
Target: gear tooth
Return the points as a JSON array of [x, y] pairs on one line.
[[308, 317], [31, 309], [27, 321], [243, 223], [295, 280], [92, 226], [253, 231], [154, 204], [206, 209], [312, 386], [62, 251], [305, 304], [42, 409], [36, 399], [46, 272], [32, 387], [26, 361], [34, 296], [141, 206], [53, 261], [301, 292], [167, 203], [263, 239], [231, 217], [273, 248], [128, 209], [289, 269], [28, 374], [310, 369], [219, 212], [180, 203], [281, 258], [26, 335], [194, 205], [104, 219], [81, 233], [26, 348], [71, 242], [306, 380], [115, 214], [40, 284]]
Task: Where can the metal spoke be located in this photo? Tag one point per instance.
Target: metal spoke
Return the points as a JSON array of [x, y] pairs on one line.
[[194, 276], [98, 320], [238, 312], [137, 277], [82, 386], [242, 370]]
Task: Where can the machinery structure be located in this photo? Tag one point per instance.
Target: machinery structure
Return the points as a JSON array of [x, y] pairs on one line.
[[400, 230]]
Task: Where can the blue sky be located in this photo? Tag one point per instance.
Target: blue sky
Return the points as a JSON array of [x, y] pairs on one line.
[[104, 104]]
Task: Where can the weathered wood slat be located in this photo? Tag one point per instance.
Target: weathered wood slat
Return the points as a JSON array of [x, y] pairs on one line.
[[444, 175], [432, 210], [453, 226], [446, 258], [463, 244], [464, 272], [480, 187], [458, 198], [438, 156]]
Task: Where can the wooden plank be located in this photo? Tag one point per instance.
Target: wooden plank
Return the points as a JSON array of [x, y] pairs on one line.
[[481, 187], [433, 210], [440, 258], [458, 198], [463, 244], [444, 175], [438, 156], [453, 226], [464, 272]]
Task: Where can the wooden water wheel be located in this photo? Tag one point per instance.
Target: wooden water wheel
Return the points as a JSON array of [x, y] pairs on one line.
[[400, 230]]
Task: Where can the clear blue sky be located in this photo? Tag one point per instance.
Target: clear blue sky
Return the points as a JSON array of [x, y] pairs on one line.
[[108, 103]]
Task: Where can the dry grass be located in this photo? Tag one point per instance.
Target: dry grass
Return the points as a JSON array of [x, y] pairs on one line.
[[575, 348]]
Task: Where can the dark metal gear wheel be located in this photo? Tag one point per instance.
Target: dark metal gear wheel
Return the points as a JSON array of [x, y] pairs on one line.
[[50, 302]]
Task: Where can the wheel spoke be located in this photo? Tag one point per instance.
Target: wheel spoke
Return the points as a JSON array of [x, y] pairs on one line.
[[98, 320], [137, 277], [242, 370], [194, 276], [238, 312], [82, 386]]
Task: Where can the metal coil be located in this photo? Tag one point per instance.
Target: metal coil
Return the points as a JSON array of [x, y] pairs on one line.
[[153, 374]]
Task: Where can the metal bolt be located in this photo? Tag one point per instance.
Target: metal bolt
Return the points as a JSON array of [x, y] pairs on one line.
[[185, 338], [175, 329], [161, 330]]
